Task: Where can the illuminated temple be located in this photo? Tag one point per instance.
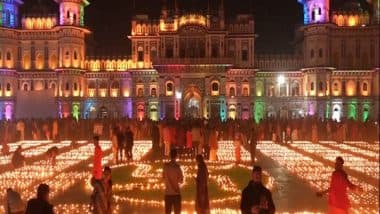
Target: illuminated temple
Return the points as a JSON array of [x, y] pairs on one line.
[[188, 64]]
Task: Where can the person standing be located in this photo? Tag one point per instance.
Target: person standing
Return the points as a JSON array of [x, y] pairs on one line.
[[237, 147], [213, 143], [18, 159], [115, 145], [20, 126], [256, 198], [338, 202], [202, 205], [14, 203], [189, 138], [129, 144], [314, 133], [41, 203], [253, 144], [155, 137], [196, 138], [167, 138], [173, 177], [98, 155], [55, 130], [101, 197]]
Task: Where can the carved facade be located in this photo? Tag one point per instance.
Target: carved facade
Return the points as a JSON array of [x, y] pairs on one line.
[[194, 65]]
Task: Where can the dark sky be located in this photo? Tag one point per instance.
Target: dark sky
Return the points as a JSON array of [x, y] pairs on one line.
[[109, 20]]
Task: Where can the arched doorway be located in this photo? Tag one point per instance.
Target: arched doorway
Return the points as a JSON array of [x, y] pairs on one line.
[[103, 112], [192, 102]]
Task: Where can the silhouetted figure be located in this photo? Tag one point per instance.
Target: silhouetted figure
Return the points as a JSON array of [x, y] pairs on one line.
[[202, 205], [14, 203], [98, 155], [18, 160], [256, 198], [101, 197], [51, 155], [173, 177], [40, 204], [128, 144]]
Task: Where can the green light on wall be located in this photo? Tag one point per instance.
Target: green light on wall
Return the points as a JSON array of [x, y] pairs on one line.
[[328, 106], [82, 15], [259, 111], [353, 110], [76, 111], [1, 14], [366, 110]]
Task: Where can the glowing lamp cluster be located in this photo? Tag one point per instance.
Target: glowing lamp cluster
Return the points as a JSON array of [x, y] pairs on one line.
[[192, 19], [38, 23]]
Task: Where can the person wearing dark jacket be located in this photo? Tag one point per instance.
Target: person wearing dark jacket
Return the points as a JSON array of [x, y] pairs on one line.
[[41, 203], [129, 144], [256, 198]]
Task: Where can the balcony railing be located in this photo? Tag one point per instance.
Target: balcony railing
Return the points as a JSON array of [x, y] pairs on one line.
[[193, 61]]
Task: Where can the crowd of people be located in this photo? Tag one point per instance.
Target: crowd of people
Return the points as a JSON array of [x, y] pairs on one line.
[[308, 128], [200, 138]]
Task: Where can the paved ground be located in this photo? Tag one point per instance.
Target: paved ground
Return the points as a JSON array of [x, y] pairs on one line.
[[292, 194]]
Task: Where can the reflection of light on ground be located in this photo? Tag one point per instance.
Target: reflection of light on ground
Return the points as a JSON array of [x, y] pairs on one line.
[[318, 174]]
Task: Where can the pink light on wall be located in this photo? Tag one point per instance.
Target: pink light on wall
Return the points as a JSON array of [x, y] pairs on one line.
[[315, 11], [8, 111], [311, 109]]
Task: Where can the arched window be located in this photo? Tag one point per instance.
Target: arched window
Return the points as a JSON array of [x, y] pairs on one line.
[[75, 86], [153, 92], [140, 54], [75, 55], [1, 87], [169, 87], [245, 92], [295, 89], [67, 86], [320, 86], [215, 86], [336, 87], [8, 88], [320, 53], [319, 11], [68, 14], [75, 18], [232, 91], [115, 85], [365, 87], [312, 86], [67, 55], [312, 53], [140, 92], [9, 56], [25, 87]]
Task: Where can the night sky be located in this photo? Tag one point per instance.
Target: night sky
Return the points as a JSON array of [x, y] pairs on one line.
[[109, 20]]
